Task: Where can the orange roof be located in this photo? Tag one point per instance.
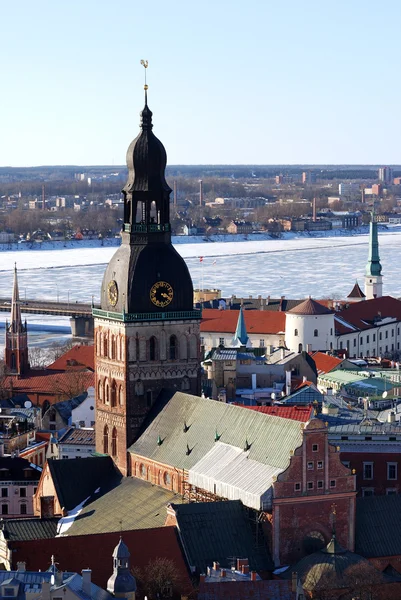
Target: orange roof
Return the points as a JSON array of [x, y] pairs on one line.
[[295, 413], [50, 382], [77, 358], [310, 307], [256, 321], [325, 362]]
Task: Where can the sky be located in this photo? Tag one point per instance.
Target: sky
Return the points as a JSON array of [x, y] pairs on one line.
[[230, 82]]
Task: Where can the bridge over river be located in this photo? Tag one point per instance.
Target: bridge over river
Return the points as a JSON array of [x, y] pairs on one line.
[[80, 314]]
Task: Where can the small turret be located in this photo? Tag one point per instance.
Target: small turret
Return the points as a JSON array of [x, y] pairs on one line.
[[240, 338], [122, 583]]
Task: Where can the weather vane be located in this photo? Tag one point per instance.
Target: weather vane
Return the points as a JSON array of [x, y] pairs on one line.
[[145, 64]]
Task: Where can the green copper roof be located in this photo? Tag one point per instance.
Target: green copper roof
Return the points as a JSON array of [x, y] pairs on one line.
[[241, 336], [373, 268]]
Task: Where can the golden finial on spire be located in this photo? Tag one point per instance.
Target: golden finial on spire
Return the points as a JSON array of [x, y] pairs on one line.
[[145, 64]]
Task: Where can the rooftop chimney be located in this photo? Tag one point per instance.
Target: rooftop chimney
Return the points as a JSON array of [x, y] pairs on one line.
[[391, 417], [216, 565], [245, 569], [294, 581], [86, 581], [21, 566], [223, 573], [45, 590], [202, 578], [253, 575]]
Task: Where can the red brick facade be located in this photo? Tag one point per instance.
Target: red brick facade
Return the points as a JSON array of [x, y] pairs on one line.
[[377, 473], [305, 495]]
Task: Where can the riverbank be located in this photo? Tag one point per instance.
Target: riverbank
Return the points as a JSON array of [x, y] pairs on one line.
[[192, 239]]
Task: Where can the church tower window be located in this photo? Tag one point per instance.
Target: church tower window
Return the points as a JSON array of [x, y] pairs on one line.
[[152, 348], [114, 442], [105, 440], [105, 348], [113, 394], [173, 350], [316, 333]]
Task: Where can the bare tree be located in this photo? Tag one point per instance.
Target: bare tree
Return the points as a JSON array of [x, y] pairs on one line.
[[158, 579]]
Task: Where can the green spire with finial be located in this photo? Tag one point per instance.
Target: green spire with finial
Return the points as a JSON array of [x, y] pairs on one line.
[[240, 337], [159, 440], [373, 268], [217, 436]]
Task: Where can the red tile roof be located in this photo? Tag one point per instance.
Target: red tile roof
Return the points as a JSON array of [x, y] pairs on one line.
[[325, 362], [74, 553], [78, 357], [296, 413], [356, 292], [52, 383], [256, 321], [362, 315], [310, 307]]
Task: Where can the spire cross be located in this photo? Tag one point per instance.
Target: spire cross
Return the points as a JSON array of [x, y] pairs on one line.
[[145, 65]]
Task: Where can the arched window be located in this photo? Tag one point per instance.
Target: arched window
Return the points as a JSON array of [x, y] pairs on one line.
[[153, 212], [137, 348], [173, 354], [113, 393], [106, 392], [113, 347], [121, 395], [105, 347], [299, 347], [100, 389], [167, 478], [152, 348], [114, 442], [105, 440], [13, 361], [315, 333], [142, 471], [296, 332]]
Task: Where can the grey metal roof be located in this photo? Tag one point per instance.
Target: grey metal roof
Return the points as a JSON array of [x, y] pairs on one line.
[[29, 529], [131, 504], [187, 427], [219, 531], [378, 526]]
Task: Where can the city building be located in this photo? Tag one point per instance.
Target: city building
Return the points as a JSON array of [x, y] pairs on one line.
[[77, 443], [385, 174], [18, 483], [348, 189], [147, 331]]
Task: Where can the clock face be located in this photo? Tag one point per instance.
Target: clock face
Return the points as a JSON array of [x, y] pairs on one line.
[[161, 294], [112, 292]]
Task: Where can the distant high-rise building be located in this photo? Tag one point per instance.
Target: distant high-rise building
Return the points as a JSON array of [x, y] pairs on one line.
[[308, 177], [386, 174], [348, 189]]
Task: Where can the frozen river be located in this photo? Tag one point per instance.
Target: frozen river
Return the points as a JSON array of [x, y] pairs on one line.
[[321, 267]]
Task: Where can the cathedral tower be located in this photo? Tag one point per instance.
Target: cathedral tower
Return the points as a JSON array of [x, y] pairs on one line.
[[147, 331], [16, 343], [373, 276]]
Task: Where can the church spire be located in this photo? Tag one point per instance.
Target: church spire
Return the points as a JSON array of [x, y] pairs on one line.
[[373, 276], [16, 346], [240, 337], [16, 320]]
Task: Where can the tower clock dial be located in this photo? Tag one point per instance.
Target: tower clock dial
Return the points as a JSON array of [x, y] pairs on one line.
[[161, 294], [112, 292]]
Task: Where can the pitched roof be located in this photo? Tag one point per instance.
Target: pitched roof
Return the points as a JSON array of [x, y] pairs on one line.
[[75, 479], [17, 467], [50, 382], [29, 529], [356, 292], [273, 589], [295, 413], [325, 362], [377, 533], [72, 553], [78, 357], [364, 315], [305, 395], [240, 335], [225, 321], [270, 438], [137, 503], [65, 407], [216, 531], [82, 437], [310, 307]]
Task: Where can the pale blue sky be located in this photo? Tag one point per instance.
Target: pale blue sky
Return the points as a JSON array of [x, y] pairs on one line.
[[260, 81]]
